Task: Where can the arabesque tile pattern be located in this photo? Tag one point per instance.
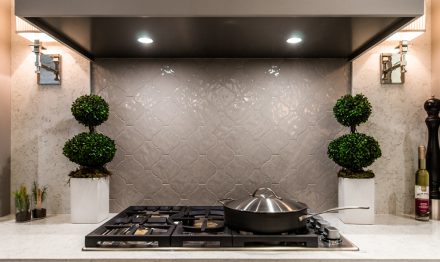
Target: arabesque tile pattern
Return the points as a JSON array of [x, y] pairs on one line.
[[195, 131]]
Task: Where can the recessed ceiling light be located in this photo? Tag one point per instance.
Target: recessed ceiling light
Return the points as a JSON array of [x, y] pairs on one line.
[[145, 40], [294, 40]]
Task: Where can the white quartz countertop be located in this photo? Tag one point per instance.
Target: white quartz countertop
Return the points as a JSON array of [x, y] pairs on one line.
[[392, 238]]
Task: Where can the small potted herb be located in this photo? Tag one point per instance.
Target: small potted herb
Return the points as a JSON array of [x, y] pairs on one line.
[[354, 152], [22, 205], [38, 196]]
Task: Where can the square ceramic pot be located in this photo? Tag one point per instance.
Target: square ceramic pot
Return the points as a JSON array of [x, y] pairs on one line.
[[89, 200], [38, 213], [356, 192], [23, 216]]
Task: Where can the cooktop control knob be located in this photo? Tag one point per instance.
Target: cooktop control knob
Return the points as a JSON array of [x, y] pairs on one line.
[[321, 225], [317, 222], [332, 233]]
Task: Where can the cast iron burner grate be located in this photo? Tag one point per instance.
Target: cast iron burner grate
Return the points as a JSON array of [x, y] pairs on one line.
[[136, 226], [183, 238], [199, 227], [305, 238], [200, 219]]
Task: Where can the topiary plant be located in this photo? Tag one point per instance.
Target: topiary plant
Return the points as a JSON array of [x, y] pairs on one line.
[[352, 111], [90, 150], [90, 110], [354, 151]]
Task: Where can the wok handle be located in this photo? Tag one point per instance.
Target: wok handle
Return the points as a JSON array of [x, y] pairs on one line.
[[304, 217], [268, 189]]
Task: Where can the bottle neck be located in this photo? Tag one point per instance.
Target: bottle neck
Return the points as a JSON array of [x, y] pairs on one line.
[[422, 163]]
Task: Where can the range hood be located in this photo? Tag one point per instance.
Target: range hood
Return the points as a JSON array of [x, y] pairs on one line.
[[219, 28]]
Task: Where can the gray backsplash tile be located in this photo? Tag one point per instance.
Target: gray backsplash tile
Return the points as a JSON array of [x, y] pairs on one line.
[[193, 131]]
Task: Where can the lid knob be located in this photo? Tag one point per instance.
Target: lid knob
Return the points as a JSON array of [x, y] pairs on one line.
[[257, 193]]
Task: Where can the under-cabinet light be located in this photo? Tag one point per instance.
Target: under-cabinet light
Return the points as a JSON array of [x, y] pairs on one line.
[[294, 40], [405, 35], [30, 32], [145, 40], [47, 66], [411, 31]]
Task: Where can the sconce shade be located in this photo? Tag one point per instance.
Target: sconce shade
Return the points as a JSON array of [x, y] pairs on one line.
[[411, 31], [30, 32]]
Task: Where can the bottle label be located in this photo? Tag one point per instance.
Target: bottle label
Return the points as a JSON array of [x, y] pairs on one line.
[[422, 199]]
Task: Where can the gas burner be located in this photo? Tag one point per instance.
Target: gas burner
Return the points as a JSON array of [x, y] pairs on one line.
[[147, 215], [300, 231], [304, 237], [200, 219]]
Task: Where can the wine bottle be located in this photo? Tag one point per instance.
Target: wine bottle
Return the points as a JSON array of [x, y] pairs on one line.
[[422, 187]]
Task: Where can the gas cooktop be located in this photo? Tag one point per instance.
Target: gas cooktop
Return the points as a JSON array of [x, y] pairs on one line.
[[203, 228]]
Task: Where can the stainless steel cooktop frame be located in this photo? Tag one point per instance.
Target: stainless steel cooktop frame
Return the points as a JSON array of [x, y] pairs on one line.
[[346, 245]]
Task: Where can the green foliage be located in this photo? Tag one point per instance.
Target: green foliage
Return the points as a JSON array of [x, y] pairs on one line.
[[354, 151], [352, 110], [22, 202], [38, 194], [89, 172], [90, 149], [90, 110]]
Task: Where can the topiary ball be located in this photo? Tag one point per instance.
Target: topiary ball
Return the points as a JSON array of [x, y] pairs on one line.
[[90, 110], [354, 151], [90, 149], [352, 110]]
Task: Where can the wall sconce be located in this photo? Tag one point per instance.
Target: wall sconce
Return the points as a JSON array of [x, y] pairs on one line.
[[393, 65], [47, 66]]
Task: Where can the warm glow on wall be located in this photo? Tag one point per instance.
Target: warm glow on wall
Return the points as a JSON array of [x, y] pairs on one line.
[[31, 33], [410, 32], [399, 36]]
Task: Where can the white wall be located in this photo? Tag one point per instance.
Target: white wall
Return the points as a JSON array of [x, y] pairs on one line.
[[435, 41], [397, 120], [41, 120]]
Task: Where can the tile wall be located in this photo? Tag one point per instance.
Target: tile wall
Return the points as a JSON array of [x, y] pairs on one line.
[[195, 131]]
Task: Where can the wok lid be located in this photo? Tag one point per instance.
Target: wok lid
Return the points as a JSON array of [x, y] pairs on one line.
[[265, 200]]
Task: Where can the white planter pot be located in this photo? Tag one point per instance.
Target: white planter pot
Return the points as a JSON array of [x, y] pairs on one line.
[[356, 192], [89, 200]]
